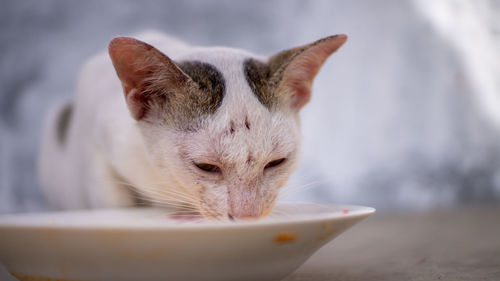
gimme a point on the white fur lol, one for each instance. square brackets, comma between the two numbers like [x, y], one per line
[107, 151]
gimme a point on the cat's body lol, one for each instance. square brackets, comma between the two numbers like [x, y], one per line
[84, 157]
[216, 132]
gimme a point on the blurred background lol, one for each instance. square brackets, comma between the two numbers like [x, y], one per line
[405, 115]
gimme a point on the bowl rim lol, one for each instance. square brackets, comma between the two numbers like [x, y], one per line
[355, 212]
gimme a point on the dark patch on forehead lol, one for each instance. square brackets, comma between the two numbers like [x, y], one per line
[211, 85]
[185, 106]
[210, 82]
[257, 74]
[63, 121]
[264, 77]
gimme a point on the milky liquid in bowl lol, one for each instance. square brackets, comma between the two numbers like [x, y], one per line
[154, 244]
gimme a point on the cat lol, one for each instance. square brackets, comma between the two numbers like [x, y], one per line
[212, 130]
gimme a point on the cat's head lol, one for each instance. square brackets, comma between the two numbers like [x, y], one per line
[220, 125]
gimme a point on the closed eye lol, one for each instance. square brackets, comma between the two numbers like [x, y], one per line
[275, 163]
[209, 168]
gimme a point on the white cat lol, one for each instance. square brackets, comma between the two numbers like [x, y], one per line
[213, 130]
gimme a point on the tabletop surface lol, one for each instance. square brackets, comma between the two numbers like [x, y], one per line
[454, 245]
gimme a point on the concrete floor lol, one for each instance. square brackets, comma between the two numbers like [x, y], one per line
[439, 245]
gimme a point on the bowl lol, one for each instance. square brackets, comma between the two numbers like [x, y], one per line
[156, 244]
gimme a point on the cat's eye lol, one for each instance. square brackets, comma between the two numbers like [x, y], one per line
[275, 163]
[208, 168]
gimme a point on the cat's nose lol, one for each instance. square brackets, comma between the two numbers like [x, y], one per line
[244, 202]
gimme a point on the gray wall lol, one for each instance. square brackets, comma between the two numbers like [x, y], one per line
[405, 114]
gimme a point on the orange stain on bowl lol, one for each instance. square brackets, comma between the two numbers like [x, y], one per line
[285, 237]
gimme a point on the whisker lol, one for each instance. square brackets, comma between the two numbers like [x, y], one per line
[164, 205]
[157, 191]
[171, 203]
[277, 210]
[166, 191]
[178, 201]
[160, 192]
[284, 193]
[292, 188]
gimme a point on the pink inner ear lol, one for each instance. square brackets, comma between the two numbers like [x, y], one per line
[299, 74]
[137, 64]
[130, 59]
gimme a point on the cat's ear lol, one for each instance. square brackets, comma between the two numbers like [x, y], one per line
[294, 70]
[144, 72]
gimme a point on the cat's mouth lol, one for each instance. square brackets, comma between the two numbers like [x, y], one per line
[194, 216]
[215, 216]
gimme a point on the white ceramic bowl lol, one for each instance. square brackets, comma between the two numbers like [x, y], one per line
[148, 244]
